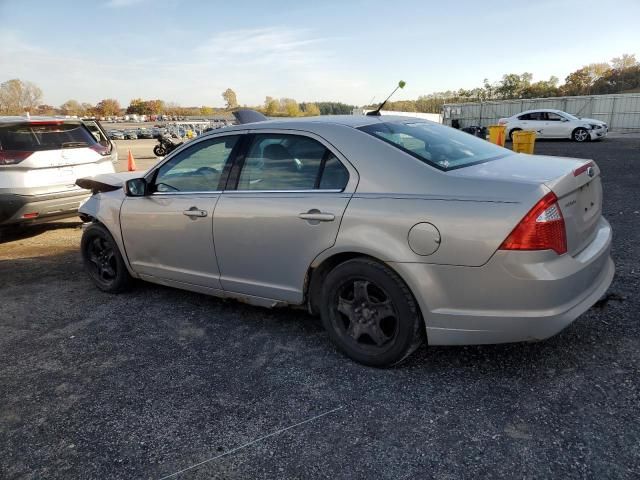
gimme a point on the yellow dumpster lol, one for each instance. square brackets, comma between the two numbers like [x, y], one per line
[497, 134]
[523, 141]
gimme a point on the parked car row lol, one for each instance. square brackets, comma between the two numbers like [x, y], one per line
[134, 134]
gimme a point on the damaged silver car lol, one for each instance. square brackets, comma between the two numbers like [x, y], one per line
[394, 230]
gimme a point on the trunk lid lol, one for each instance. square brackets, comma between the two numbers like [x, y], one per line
[576, 183]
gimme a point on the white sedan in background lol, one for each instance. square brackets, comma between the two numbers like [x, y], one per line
[549, 123]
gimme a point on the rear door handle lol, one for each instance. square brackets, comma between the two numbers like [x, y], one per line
[194, 212]
[317, 216]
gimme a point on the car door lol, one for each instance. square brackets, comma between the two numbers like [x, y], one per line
[557, 126]
[536, 122]
[283, 206]
[168, 234]
[561, 125]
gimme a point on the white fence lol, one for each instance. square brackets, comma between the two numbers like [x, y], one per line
[621, 112]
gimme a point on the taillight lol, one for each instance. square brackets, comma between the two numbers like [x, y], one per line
[541, 229]
[101, 149]
[12, 157]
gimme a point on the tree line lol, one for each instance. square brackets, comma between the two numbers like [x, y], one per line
[621, 74]
[18, 96]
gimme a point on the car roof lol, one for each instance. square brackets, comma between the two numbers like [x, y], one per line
[353, 121]
[36, 118]
[540, 110]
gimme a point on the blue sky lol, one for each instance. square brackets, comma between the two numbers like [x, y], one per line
[350, 51]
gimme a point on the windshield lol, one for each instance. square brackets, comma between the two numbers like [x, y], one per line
[442, 147]
[569, 116]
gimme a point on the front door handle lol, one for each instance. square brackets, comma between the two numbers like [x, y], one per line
[317, 216]
[194, 212]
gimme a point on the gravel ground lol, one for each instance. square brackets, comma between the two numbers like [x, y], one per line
[147, 384]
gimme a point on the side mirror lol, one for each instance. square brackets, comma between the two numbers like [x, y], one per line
[136, 187]
[565, 119]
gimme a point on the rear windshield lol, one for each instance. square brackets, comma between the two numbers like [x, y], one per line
[47, 136]
[442, 147]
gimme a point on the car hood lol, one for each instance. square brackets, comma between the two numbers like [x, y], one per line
[107, 182]
[593, 120]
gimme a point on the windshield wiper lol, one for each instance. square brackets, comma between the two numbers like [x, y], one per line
[74, 144]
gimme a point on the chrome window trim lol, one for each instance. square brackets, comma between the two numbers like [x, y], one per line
[204, 192]
[218, 192]
[310, 190]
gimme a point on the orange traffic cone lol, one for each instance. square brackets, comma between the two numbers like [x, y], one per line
[131, 163]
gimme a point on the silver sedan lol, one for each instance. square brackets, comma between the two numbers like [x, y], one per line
[394, 230]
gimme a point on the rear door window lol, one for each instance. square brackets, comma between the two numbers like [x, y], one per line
[281, 162]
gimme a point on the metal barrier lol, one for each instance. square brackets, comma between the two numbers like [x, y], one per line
[621, 112]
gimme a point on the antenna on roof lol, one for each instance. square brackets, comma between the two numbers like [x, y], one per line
[376, 112]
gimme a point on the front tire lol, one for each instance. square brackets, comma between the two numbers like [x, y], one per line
[581, 135]
[103, 261]
[370, 314]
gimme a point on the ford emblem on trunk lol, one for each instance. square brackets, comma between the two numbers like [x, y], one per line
[591, 172]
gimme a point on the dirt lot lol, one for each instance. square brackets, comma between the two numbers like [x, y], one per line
[147, 384]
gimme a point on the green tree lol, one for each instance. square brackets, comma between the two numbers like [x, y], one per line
[18, 96]
[311, 110]
[581, 81]
[334, 108]
[206, 111]
[45, 110]
[513, 85]
[89, 110]
[136, 107]
[153, 107]
[542, 89]
[290, 106]
[109, 107]
[271, 106]
[624, 61]
[72, 107]
[618, 81]
[230, 98]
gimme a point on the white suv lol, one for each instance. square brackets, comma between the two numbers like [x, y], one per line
[40, 160]
[549, 123]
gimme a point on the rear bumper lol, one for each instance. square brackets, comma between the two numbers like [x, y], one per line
[516, 296]
[13, 207]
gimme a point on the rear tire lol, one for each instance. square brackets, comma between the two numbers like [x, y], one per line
[158, 151]
[370, 314]
[103, 260]
[581, 135]
[511, 133]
